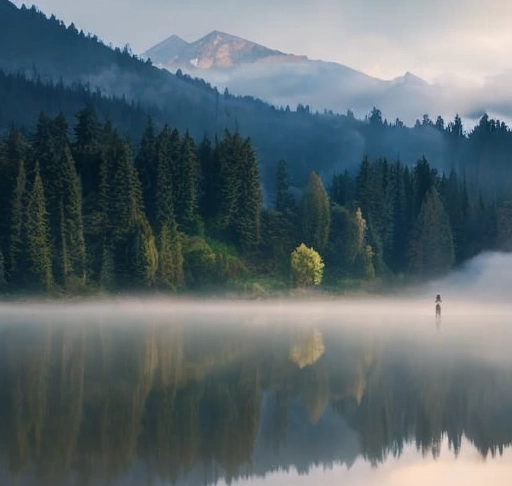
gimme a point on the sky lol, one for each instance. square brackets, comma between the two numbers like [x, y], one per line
[438, 40]
[411, 468]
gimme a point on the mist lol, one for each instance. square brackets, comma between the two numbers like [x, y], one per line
[476, 293]
[326, 353]
[329, 86]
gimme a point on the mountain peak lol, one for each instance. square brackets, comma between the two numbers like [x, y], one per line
[409, 79]
[170, 47]
[216, 50]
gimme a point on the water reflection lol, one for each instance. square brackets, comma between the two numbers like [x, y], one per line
[174, 397]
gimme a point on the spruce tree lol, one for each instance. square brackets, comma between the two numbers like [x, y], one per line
[170, 258]
[124, 197]
[38, 239]
[86, 151]
[229, 152]
[146, 164]
[284, 202]
[315, 214]
[209, 194]
[186, 188]
[247, 217]
[72, 252]
[144, 253]
[164, 211]
[431, 246]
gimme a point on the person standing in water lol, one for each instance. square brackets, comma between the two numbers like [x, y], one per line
[438, 306]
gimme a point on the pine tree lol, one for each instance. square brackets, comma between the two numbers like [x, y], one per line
[247, 218]
[229, 152]
[38, 238]
[146, 164]
[431, 246]
[284, 202]
[124, 199]
[72, 251]
[341, 190]
[164, 197]
[346, 240]
[209, 194]
[86, 151]
[315, 214]
[144, 253]
[170, 258]
[397, 259]
[186, 188]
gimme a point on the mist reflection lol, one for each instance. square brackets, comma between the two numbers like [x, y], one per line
[168, 398]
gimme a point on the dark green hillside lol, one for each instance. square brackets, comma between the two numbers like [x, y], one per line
[44, 50]
[21, 101]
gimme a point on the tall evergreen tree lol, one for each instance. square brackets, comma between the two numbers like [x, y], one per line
[170, 273]
[146, 164]
[38, 238]
[71, 252]
[431, 245]
[86, 151]
[284, 202]
[209, 197]
[144, 256]
[229, 151]
[347, 240]
[341, 190]
[186, 188]
[164, 211]
[247, 218]
[315, 214]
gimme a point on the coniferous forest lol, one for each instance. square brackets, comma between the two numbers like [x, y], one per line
[116, 175]
[85, 208]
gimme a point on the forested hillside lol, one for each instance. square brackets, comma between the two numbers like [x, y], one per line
[85, 211]
[144, 179]
[55, 66]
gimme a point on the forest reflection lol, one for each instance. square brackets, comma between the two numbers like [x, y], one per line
[91, 402]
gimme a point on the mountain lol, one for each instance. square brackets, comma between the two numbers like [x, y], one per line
[217, 50]
[245, 67]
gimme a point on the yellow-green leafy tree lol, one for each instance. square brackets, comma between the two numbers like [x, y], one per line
[307, 266]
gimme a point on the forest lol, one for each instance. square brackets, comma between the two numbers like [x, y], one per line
[118, 176]
[84, 211]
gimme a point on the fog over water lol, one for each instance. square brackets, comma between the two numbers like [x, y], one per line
[305, 391]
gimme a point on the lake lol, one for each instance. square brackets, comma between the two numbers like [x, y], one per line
[339, 391]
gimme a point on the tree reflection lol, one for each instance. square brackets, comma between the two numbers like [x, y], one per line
[92, 400]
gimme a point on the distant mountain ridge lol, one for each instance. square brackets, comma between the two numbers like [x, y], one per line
[245, 67]
[216, 50]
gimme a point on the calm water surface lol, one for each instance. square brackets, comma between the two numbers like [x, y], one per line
[195, 393]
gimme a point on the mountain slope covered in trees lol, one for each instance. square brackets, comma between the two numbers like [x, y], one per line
[88, 211]
[43, 50]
